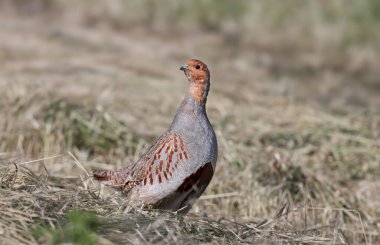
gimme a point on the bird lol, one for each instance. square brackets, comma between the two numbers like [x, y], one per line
[176, 169]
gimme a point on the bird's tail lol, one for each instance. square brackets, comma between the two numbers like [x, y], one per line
[102, 174]
[115, 178]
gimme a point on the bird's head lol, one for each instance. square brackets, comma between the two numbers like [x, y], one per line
[199, 77]
[196, 71]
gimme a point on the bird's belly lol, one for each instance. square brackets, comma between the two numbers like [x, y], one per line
[176, 193]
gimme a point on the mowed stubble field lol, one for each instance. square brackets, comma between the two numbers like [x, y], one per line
[296, 118]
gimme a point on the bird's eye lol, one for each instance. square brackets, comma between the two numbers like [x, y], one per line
[197, 67]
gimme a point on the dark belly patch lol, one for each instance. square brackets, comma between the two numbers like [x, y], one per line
[198, 180]
[192, 187]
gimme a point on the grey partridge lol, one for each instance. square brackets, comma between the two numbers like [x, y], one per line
[174, 172]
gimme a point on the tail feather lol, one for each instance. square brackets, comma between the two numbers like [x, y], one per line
[114, 178]
[103, 175]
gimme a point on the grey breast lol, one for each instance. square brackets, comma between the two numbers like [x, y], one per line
[192, 123]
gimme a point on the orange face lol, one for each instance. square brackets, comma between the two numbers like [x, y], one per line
[196, 71]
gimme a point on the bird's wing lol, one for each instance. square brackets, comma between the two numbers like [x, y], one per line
[156, 165]
[160, 161]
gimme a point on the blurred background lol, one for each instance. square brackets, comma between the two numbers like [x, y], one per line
[317, 51]
[294, 100]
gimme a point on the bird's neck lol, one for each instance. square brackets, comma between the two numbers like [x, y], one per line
[191, 112]
[193, 106]
[198, 90]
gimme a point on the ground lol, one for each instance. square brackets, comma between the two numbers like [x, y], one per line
[293, 101]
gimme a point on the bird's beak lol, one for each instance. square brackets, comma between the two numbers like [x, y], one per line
[184, 67]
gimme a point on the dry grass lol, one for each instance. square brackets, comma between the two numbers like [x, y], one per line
[293, 102]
